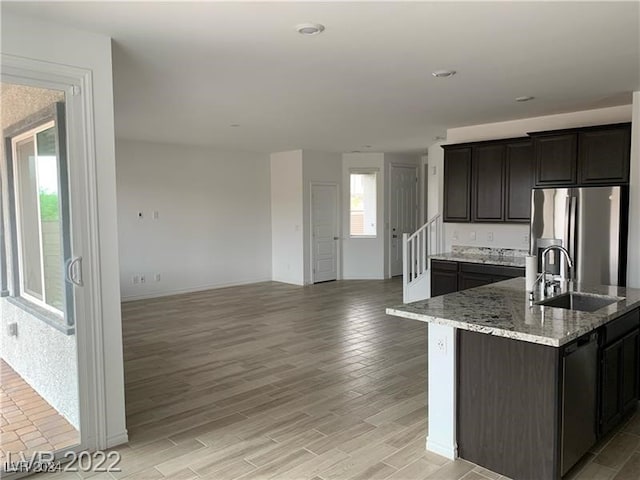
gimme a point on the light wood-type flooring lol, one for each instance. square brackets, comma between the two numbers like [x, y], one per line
[271, 381]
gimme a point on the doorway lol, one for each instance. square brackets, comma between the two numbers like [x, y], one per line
[324, 232]
[403, 211]
[50, 322]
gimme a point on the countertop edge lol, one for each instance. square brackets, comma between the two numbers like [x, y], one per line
[482, 261]
[498, 332]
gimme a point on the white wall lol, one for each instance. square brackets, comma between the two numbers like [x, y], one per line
[435, 175]
[513, 236]
[364, 258]
[287, 223]
[325, 168]
[633, 262]
[57, 44]
[214, 219]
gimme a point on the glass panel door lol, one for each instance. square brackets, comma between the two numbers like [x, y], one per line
[39, 394]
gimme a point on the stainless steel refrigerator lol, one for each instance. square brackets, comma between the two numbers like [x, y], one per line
[591, 223]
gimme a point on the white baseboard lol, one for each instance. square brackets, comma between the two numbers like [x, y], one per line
[118, 439]
[447, 451]
[199, 288]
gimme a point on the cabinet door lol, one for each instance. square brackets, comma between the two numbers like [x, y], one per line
[488, 183]
[519, 180]
[472, 280]
[443, 282]
[457, 184]
[610, 384]
[556, 159]
[603, 156]
[629, 367]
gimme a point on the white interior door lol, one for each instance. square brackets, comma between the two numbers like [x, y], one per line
[324, 228]
[403, 212]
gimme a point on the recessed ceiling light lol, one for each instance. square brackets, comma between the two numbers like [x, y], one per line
[524, 98]
[309, 28]
[443, 73]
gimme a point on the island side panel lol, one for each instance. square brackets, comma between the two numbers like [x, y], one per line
[441, 392]
[508, 405]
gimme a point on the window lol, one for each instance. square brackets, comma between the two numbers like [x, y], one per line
[38, 219]
[363, 201]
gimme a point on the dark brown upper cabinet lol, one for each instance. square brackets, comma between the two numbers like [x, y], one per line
[556, 159]
[583, 156]
[488, 167]
[488, 181]
[603, 155]
[519, 180]
[457, 184]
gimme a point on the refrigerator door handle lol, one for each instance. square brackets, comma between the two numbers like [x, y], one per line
[573, 233]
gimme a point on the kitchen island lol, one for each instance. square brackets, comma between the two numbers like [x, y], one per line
[525, 389]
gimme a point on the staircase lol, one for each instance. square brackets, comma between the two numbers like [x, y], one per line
[416, 249]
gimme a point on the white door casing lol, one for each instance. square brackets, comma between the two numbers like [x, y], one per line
[403, 211]
[324, 232]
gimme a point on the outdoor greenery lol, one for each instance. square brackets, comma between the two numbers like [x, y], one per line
[49, 209]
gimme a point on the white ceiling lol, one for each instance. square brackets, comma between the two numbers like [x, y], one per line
[183, 72]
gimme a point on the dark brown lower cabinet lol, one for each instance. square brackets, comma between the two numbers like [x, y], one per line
[472, 280]
[450, 277]
[508, 405]
[510, 396]
[619, 380]
[444, 277]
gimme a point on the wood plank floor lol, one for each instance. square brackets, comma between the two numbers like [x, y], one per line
[270, 381]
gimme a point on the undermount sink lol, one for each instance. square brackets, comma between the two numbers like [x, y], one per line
[578, 301]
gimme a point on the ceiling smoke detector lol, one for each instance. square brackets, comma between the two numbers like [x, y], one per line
[309, 28]
[524, 98]
[443, 73]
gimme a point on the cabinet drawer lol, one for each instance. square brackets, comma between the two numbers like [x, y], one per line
[619, 327]
[444, 265]
[493, 270]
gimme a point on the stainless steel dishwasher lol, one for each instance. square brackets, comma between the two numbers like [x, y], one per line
[579, 385]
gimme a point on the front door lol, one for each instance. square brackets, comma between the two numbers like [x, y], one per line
[324, 230]
[403, 211]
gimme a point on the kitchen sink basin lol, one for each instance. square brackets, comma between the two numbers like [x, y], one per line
[578, 301]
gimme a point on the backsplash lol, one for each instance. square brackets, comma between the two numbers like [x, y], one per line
[491, 251]
[513, 236]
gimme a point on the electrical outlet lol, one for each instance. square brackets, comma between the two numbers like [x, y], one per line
[472, 236]
[140, 215]
[157, 277]
[156, 215]
[490, 236]
[526, 239]
[135, 279]
[441, 345]
[13, 329]
[143, 279]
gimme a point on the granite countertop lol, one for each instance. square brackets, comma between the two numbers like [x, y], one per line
[503, 309]
[490, 259]
[494, 256]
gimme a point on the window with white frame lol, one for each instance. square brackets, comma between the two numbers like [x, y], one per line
[38, 218]
[363, 204]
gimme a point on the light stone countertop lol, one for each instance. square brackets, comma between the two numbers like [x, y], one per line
[489, 259]
[503, 309]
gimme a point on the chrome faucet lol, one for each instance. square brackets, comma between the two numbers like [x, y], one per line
[553, 284]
